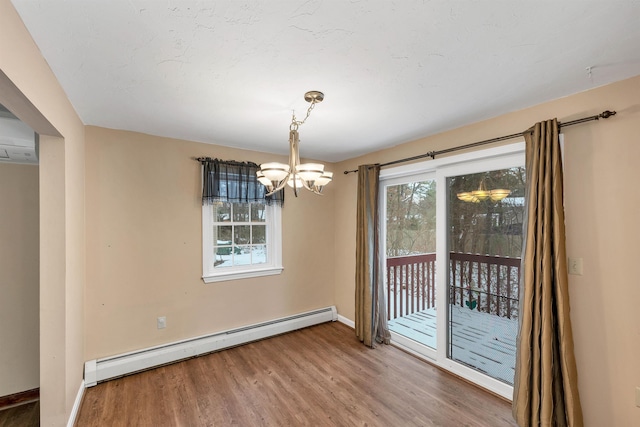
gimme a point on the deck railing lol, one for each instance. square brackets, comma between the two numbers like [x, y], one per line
[488, 284]
[410, 284]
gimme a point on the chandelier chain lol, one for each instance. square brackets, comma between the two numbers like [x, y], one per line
[295, 123]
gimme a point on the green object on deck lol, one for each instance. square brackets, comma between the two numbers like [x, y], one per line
[471, 304]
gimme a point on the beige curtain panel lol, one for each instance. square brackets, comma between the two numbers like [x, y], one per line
[371, 316]
[545, 391]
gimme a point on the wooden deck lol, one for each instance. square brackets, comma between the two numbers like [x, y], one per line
[481, 341]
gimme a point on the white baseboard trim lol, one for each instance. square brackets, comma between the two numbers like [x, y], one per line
[346, 321]
[76, 405]
[128, 363]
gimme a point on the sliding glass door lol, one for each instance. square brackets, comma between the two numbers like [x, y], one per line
[452, 242]
[484, 236]
[410, 246]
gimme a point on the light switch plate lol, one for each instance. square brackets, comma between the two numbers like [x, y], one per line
[638, 397]
[575, 266]
[162, 322]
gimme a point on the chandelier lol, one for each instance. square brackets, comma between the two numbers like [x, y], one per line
[482, 193]
[311, 176]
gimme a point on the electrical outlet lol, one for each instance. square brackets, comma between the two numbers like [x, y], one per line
[162, 322]
[575, 266]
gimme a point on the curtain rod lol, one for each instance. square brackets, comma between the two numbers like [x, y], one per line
[432, 154]
[227, 162]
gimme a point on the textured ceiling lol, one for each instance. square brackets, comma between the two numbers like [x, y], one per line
[230, 72]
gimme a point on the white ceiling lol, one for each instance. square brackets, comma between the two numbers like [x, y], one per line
[230, 72]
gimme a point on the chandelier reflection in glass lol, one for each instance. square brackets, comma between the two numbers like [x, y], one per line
[482, 193]
[311, 176]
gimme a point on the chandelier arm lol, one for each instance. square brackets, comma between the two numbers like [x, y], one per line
[294, 151]
[294, 159]
[306, 185]
[280, 185]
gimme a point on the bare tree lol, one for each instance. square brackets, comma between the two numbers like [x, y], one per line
[411, 218]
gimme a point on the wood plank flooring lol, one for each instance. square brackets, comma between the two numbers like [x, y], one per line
[318, 376]
[19, 398]
[25, 415]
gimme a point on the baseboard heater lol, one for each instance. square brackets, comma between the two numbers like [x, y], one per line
[107, 368]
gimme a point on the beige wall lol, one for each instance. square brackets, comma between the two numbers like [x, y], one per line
[19, 267]
[128, 286]
[602, 211]
[144, 247]
[31, 91]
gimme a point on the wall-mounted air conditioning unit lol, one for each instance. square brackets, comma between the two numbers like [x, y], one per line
[18, 142]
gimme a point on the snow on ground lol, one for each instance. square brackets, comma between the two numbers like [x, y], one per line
[245, 257]
[482, 341]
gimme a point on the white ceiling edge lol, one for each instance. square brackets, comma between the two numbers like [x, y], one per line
[230, 73]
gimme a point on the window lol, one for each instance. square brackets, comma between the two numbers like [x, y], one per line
[240, 240]
[241, 225]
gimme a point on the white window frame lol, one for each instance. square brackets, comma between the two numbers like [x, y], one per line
[274, 249]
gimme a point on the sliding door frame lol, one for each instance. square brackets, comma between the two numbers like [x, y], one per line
[502, 157]
[410, 345]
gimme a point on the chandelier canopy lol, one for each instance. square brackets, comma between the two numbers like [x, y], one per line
[311, 176]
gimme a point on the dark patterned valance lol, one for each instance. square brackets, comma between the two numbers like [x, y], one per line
[231, 181]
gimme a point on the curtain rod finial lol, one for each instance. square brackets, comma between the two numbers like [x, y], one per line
[606, 114]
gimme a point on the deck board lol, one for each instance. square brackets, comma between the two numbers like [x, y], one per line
[482, 341]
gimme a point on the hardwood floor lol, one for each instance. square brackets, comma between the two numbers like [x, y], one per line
[319, 376]
[26, 415]
[19, 398]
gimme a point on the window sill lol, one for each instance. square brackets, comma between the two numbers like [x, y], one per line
[246, 274]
